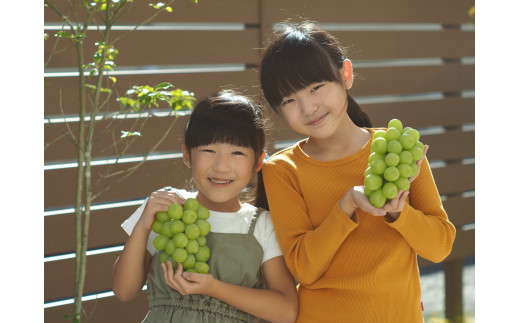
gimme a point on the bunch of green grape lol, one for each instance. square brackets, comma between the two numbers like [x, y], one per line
[182, 236]
[392, 162]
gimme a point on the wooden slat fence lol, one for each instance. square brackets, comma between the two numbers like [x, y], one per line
[413, 60]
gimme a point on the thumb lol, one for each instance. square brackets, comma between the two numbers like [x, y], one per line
[194, 277]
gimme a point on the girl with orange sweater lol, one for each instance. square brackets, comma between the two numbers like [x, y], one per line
[354, 262]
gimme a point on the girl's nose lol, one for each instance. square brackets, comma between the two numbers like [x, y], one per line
[308, 106]
[222, 163]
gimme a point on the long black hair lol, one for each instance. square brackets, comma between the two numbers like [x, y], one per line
[301, 54]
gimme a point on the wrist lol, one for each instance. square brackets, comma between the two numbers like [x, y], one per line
[347, 204]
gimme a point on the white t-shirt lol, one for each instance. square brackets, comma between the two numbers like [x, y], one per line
[223, 222]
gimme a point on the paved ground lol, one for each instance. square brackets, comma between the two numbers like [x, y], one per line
[432, 285]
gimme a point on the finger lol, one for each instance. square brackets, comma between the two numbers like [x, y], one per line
[392, 205]
[168, 276]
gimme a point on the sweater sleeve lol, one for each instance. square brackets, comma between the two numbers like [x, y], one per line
[307, 250]
[423, 222]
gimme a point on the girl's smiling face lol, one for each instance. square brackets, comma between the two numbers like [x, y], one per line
[316, 110]
[221, 171]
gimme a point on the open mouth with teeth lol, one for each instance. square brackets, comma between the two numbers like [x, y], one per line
[220, 181]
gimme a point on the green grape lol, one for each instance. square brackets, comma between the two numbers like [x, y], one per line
[391, 159]
[367, 191]
[373, 181]
[368, 171]
[202, 213]
[379, 134]
[402, 183]
[162, 216]
[396, 123]
[157, 226]
[163, 256]
[192, 246]
[373, 156]
[169, 247]
[419, 144]
[201, 267]
[177, 226]
[189, 262]
[191, 204]
[192, 231]
[201, 241]
[378, 166]
[390, 190]
[175, 211]
[377, 198]
[415, 169]
[417, 153]
[204, 227]
[391, 174]
[405, 157]
[165, 229]
[159, 242]
[203, 254]
[392, 134]
[405, 170]
[180, 240]
[379, 145]
[189, 217]
[415, 134]
[180, 255]
[395, 147]
[407, 140]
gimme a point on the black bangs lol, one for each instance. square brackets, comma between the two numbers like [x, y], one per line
[225, 119]
[293, 62]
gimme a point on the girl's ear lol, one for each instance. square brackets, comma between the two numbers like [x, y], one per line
[348, 75]
[260, 162]
[186, 156]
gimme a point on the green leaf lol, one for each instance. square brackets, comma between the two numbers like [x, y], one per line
[169, 9]
[163, 86]
[45, 36]
[63, 34]
[113, 79]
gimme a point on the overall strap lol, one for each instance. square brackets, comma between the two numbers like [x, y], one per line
[252, 224]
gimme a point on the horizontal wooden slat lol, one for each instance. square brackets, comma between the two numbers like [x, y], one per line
[59, 185]
[414, 79]
[376, 11]
[423, 114]
[202, 84]
[450, 145]
[165, 48]
[183, 11]
[463, 246]
[454, 178]
[460, 210]
[106, 133]
[104, 310]
[105, 230]
[59, 276]
[406, 44]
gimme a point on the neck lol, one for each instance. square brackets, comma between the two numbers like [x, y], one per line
[232, 205]
[346, 141]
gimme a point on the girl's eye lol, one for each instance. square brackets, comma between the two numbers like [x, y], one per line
[239, 153]
[316, 88]
[287, 101]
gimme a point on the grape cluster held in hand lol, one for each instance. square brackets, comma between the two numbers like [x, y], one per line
[182, 235]
[392, 162]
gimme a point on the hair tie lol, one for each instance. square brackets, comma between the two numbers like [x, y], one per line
[266, 157]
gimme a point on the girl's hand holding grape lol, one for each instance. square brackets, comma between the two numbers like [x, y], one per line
[158, 201]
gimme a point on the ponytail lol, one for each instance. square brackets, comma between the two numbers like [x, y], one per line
[357, 115]
[261, 196]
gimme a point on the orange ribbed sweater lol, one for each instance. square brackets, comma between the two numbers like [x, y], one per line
[362, 269]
